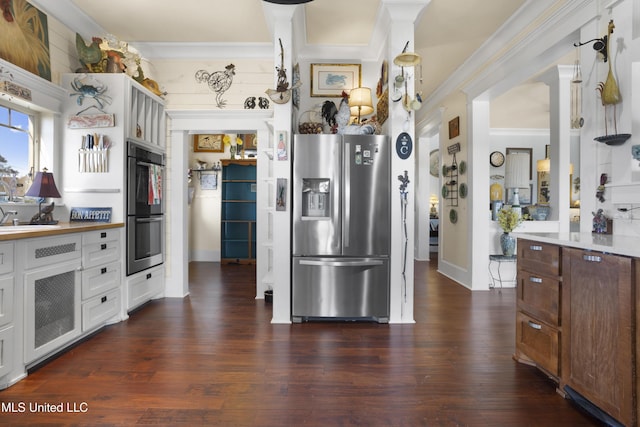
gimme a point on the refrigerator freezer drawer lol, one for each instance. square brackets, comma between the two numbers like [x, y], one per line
[340, 288]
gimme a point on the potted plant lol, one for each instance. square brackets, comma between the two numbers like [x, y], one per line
[509, 220]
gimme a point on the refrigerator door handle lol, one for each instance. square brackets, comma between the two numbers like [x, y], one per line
[342, 263]
[346, 201]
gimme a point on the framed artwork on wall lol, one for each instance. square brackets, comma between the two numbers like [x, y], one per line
[208, 143]
[329, 80]
[454, 127]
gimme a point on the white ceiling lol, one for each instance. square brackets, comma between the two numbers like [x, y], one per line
[448, 32]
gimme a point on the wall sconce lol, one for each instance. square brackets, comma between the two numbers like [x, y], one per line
[43, 186]
[599, 45]
[516, 176]
[360, 103]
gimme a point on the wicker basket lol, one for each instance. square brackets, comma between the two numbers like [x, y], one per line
[308, 123]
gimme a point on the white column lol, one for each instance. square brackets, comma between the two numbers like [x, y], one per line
[403, 15]
[559, 81]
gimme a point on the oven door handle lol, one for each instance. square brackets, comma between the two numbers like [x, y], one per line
[139, 163]
[148, 219]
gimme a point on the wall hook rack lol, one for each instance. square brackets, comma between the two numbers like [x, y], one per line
[599, 45]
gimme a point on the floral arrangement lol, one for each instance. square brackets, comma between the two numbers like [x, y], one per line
[510, 219]
[233, 144]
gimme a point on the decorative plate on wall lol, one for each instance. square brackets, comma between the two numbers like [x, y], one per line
[462, 190]
[462, 167]
[445, 191]
[434, 163]
[453, 216]
[445, 170]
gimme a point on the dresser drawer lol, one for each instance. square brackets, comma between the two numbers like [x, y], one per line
[6, 301]
[538, 341]
[91, 237]
[539, 296]
[98, 310]
[94, 254]
[543, 258]
[96, 280]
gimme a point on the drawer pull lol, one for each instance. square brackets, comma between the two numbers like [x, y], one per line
[103, 299]
[103, 246]
[534, 325]
[535, 279]
[103, 270]
[592, 258]
[103, 235]
[148, 276]
[535, 247]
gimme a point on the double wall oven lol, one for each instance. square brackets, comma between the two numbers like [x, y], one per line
[145, 207]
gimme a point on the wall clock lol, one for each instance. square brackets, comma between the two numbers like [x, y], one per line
[496, 159]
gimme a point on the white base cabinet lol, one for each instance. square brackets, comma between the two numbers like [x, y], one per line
[145, 286]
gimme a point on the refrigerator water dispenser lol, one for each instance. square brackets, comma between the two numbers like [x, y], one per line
[316, 198]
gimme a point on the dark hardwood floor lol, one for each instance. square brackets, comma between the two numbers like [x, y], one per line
[215, 359]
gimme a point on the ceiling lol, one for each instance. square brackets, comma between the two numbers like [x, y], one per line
[447, 33]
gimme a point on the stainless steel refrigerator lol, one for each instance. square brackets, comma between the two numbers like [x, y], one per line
[341, 227]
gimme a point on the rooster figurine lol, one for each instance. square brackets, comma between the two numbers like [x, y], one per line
[218, 81]
[90, 56]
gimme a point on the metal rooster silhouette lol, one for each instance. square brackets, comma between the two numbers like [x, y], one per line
[609, 91]
[218, 82]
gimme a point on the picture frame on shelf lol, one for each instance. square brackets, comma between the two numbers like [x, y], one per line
[208, 143]
[330, 80]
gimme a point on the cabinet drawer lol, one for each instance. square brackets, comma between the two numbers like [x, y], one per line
[99, 236]
[95, 254]
[53, 250]
[145, 286]
[543, 258]
[98, 310]
[6, 356]
[6, 301]
[538, 341]
[6, 257]
[539, 296]
[99, 279]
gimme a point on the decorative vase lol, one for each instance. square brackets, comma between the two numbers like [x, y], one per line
[232, 152]
[508, 244]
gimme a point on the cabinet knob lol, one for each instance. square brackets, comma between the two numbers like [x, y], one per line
[535, 279]
[103, 235]
[592, 258]
[103, 246]
[535, 247]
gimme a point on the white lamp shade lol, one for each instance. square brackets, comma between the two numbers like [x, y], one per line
[517, 171]
[360, 101]
[544, 165]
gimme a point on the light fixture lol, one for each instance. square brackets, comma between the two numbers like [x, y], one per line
[360, 103]
[516, 176]
[43, 186]
[288, 1]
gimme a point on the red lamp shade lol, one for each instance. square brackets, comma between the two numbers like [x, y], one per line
[43, 186]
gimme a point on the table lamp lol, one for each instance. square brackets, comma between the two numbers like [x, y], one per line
[360, 103]
[516, 176]
[43, 186]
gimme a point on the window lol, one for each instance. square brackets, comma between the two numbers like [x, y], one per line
[17, 158]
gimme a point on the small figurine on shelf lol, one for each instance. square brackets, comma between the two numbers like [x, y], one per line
[601, 223]
[600, 189]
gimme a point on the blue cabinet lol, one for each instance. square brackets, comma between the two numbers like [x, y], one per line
[238, 227]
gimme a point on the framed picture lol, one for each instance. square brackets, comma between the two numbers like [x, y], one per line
[454, 127]
[208, 143]
[329, 80]
[528, 151]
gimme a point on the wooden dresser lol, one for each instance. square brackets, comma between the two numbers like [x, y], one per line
[576, 320]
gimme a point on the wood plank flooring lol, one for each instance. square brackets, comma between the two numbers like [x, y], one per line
[215, 359]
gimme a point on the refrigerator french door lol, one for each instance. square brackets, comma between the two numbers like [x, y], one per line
[341, 227]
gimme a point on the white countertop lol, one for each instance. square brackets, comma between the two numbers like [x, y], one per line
[608, 243]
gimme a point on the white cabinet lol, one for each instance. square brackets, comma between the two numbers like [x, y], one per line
[138, 115]
[101, 277]
[7, 283]
[144, 286]
[52, 294]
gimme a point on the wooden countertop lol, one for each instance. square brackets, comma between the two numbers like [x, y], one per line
[608, 243]
[62, 228]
